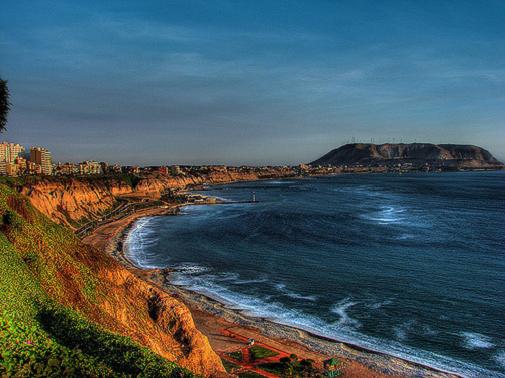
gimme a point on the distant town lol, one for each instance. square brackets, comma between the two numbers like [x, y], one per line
[16, 161]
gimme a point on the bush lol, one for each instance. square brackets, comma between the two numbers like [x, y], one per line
[258, 352]
[30, 257]
[10, 218]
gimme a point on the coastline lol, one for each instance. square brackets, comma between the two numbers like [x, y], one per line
[219, 322]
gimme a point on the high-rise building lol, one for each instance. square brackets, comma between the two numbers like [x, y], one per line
[41, 156]
[9, 152]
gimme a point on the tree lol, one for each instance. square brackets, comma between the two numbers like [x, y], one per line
[5, 105]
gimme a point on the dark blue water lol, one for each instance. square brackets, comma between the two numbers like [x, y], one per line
[413, 265]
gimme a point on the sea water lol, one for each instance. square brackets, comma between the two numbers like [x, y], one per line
[412, 265]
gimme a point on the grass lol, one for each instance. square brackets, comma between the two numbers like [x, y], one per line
[40, 333]
[273, 367]
[259, 352]
[63, 343]
[229, 366]
[236, 355]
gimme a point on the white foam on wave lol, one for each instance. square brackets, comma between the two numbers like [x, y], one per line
[291, 294]
[138, 238]
[265, 307]
[500, 357]
[190, 268]
[474, 340]
[279, 182]
[402, 330]
[362, 190]
[340, 309]
[379, 304]
[405, 237]
[251, 281]
[428, 331]
[386, 215]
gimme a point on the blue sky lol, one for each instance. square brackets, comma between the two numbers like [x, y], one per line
[254, 82]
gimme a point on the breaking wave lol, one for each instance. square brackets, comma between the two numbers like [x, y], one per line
[474, 340]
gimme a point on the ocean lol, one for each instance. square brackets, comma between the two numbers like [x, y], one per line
[412, 265]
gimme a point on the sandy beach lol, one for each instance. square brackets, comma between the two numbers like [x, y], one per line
[228, 329]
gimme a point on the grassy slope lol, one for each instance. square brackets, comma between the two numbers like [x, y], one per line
[40, 332]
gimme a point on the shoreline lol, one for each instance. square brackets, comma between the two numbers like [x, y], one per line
[212, 316]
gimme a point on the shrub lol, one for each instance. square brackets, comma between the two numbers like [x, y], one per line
[10, 218]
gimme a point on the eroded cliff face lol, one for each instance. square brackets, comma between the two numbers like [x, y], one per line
[67, 201]
[91, 282]
[141, 311]
[73, 201]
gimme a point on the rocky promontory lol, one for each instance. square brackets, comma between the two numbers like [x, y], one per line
[448, 156]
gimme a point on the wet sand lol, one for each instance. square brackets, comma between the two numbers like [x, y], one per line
[227, 328]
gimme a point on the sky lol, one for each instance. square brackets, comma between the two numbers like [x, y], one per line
[250, 82]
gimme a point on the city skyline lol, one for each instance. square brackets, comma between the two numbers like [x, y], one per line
[250, 83]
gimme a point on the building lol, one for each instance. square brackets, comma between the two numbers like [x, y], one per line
[21, 162]
[175, 170]
[116, 168]
[133, 170]
[67, 169]
[33, 168]
[11, 169]
[9, 152]
[164, 170]
[90, 167]
[104, 166]
[42, 157]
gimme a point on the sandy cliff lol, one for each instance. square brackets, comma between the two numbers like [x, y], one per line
[146, 314]
[71, 201]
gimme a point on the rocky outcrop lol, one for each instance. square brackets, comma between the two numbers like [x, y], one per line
[418, 154]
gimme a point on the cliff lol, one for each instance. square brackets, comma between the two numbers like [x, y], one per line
[418, 154]
[69, 309]
[73, 201]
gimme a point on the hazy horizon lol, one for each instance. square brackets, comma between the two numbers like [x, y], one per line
[236, 82]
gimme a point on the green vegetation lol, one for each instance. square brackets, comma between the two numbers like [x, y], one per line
[229, 366]
[292, 367]
[236, 355]
[332, 367]
[250, 374]
[60, 342]
[12, 181]
[258, 352]
[272, 367]
[41, 335]
[5, 104]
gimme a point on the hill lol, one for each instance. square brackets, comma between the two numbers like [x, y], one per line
[418, 154]
[67, 309]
